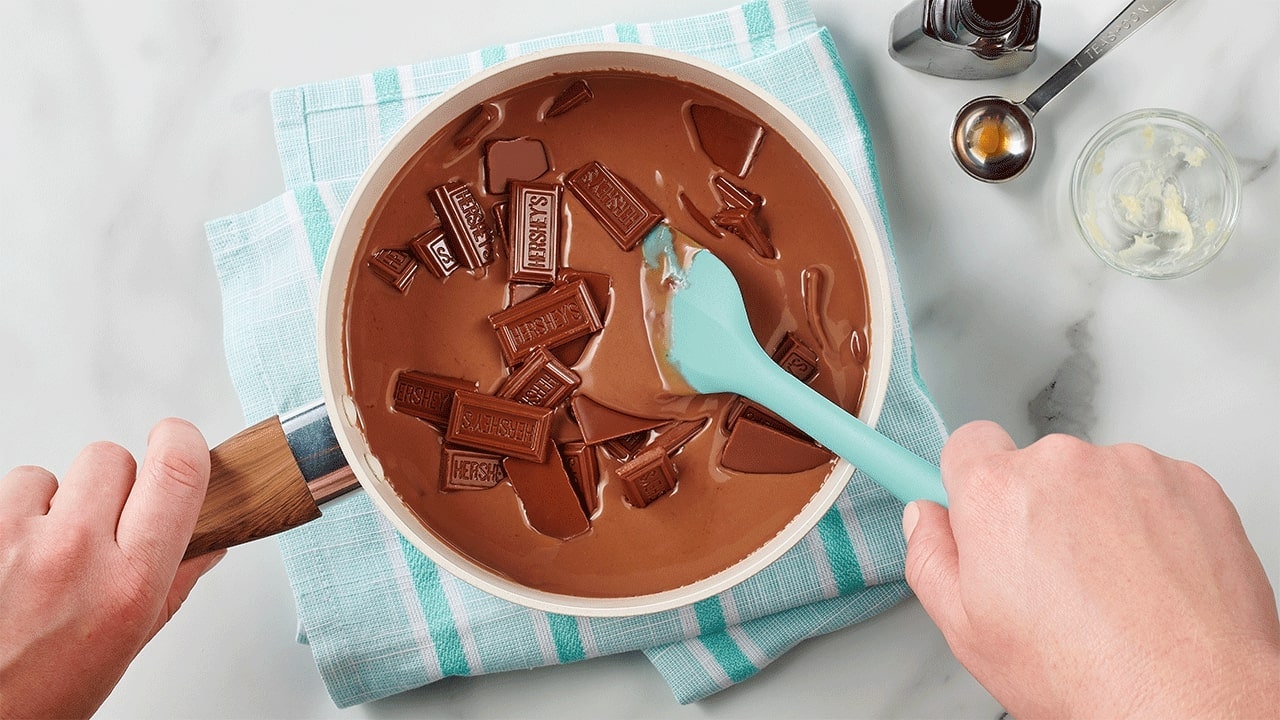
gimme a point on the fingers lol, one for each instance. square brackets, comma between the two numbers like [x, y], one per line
[189, 571]
[95, 486]
[161, 510]
[932, 565]
[26, 491]
[969, 448]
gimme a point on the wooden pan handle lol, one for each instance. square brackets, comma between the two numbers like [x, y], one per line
[255, 490]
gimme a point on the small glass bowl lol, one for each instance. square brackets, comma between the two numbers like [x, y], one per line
[1155, 194]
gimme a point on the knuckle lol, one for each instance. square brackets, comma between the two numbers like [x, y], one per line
[1136, 456]
[978, 427]
[991, 477]
[31, 479]
[1061, 445]
[1059, 452]
[1199, 482]
[1139, 462]
[109, 454]
[30, 471]
[64, 561]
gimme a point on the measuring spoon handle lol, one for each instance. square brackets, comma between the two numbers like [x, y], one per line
[1137, 14]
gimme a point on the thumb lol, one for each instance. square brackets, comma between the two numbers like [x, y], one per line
[160, 513]
[932, 566]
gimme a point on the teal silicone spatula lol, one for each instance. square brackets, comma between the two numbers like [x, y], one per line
[699, 330]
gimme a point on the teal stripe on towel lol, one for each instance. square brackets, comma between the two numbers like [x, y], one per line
[387, 92]
[844, 561]
[711, 626]
[627, 32]
[869, 151]
[710, 615]
[316, 222]
[564, 631]
[435, 608]
[491, 56]
[759, 27]
[729, 656]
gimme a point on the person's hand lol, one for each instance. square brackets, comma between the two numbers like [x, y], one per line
[1094, 581]
[90, 567]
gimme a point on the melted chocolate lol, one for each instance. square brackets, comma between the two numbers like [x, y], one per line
[640, 128]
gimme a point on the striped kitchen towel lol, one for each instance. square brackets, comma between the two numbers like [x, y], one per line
[379, 616]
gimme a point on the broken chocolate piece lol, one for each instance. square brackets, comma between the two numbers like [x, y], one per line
[736, 197]
[467, 470]
[465, 223]
[395, 266]
[600, 422]
[549, 498]
[647, 477]
[506, 160]
[756, 448]
[500, 426]
[731, 141]
[674, 436]
[555, 317]
[741, 216]
[580, 461]
[623, 211]
[542, 381]
[743, 223]
[624, 448]
[796, 358]
[599, 286]
[535, 232]
[475, 125]
[571, 97]
[571, 352]
[699, 216]
[519, 292]
[500, 224]
[748, 410]
[432, 249]
[426, 396]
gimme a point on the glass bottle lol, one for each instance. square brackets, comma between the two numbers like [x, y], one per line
[966, 39]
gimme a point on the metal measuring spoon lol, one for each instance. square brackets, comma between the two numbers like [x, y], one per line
[992, 137]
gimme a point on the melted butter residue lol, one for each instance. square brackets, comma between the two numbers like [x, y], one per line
[1149, 136]
[1193, 155]
[1165, 232]
[1141, 214]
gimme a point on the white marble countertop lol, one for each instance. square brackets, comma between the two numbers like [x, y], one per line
[124, 127]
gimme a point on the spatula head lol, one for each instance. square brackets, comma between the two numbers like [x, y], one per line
[699, 320]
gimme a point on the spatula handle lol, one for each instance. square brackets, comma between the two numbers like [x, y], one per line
[900, 471]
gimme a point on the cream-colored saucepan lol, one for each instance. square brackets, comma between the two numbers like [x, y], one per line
[274, 476]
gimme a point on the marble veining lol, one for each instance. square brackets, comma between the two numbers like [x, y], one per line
[1066, 404]
[1253, 168]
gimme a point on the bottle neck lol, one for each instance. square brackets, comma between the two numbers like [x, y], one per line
[991, 18]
